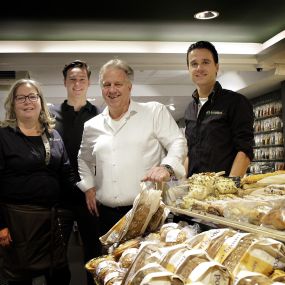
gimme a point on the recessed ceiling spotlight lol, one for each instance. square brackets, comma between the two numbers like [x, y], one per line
[206, 15]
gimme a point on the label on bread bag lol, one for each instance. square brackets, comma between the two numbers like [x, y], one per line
[263, 256]
[228, 246]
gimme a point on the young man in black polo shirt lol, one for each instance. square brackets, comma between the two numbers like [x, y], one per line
[70, 118]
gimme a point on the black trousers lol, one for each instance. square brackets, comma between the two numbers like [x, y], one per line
[88, 227]
[38, 246]
[110, 216]
[58, 277]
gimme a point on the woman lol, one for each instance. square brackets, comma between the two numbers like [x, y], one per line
[33, 169]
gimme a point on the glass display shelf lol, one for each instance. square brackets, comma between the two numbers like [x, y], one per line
[264, 231]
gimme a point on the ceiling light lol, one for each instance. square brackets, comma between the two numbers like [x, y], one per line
[206, 15]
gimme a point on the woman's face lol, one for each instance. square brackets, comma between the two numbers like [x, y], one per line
[27, 103]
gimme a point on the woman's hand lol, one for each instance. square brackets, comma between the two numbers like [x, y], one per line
[90, 197]
[5, 237]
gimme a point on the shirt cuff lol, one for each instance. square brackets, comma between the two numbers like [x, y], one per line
[85, 185]
[177, 167]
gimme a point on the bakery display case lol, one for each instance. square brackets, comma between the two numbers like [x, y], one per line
[257, 206]
[243, 244]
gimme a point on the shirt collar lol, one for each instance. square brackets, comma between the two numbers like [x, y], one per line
[211, 97]
[87, 106]
[133, 108]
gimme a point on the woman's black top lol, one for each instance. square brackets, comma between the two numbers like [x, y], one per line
[24, 176]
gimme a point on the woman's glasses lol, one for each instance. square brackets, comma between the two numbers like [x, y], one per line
[22, 98]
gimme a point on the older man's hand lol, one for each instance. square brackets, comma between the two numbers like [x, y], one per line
[5, 238]
[157, 174]
[90, 197]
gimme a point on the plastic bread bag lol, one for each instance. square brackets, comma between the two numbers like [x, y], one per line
[251, 278]
[135, 222]
[114, 235]
[184, 261]
[145, 206]
[154, 274]
[210, 240]
[128, 256]
[251, 253]
[132, 243]
[278, 275]
[145, 251]
[251, 210]
[158, 218]
[93, 263]
[174, 191]
[210, 272]
[106, 270]
[162, 255]
[172, 233]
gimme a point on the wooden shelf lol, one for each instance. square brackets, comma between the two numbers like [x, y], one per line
[268, 145]
[269, 131]
[268, 160]
[268, 117]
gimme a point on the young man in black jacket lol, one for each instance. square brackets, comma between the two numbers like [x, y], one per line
[219, 122]
[70, 118]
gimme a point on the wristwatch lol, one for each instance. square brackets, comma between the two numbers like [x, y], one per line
[236, 179]
[169, 169]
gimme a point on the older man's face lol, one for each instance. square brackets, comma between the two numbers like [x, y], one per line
[116, 89]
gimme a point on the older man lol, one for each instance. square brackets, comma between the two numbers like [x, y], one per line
[127, 143]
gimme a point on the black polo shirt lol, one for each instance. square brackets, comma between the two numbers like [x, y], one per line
[70, 125]
[223, 127]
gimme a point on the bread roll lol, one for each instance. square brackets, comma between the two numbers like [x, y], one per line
[275, 218]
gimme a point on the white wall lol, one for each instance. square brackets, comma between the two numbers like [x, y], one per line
[166, 94]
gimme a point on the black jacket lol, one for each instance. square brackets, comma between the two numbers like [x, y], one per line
[223, 127]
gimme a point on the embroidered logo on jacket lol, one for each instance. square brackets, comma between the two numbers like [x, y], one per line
[209, 113]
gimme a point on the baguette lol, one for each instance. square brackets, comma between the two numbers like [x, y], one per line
[256, 177]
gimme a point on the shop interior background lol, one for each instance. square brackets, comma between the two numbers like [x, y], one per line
[152, 37]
